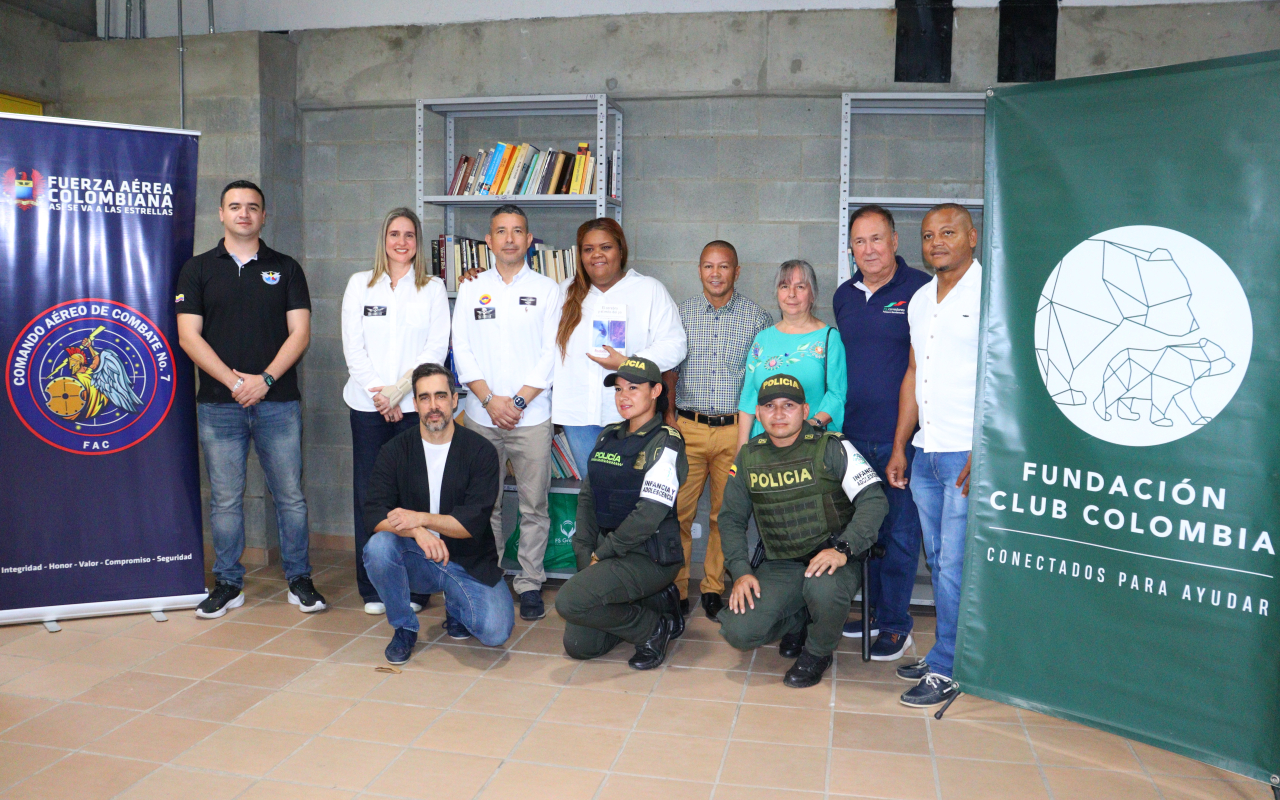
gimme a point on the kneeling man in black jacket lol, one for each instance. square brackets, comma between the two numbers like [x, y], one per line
[429, 502]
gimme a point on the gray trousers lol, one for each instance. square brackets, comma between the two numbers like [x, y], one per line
[529, 449]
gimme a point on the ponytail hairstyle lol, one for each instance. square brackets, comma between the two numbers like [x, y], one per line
[663, 401]
[381, 263]
[572, 313]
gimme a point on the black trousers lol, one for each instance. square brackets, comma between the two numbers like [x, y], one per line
[369, 432]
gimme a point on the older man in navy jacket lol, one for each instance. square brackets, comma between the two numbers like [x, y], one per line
[429, 502]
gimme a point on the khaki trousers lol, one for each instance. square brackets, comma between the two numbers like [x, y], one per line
[711, 452]
[529, 449]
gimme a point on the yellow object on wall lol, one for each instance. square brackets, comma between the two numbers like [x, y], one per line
[19, 105]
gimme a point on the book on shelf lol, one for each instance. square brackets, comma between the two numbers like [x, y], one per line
[523, 169]
[453, 255]
[560, 449]
[558, 265]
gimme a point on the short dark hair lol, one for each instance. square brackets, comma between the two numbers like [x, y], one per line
[510, 208]
[951, 207]
[242, 185]
[872, 209]
[426, 371]
[721, 243]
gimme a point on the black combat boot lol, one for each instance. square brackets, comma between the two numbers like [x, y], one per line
[673, 610]
[807, 671]
[793, 643]
[653, 651]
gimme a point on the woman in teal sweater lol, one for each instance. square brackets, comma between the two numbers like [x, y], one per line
[800, 345]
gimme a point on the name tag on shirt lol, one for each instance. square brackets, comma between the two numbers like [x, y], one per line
[375, 311]
[528, 301]
[486, 313]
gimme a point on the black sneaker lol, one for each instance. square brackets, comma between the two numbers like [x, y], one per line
[653, 651]
[303, 594]
[531, 606]
[401, 646]
[224, 597]
[912, 673]
[890, 646]
[853, 629]
[932, 690]
[455, 629]
[792, 645]
[807, 671]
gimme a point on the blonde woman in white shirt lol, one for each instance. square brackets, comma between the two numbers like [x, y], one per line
[605, 295]
[394, 317]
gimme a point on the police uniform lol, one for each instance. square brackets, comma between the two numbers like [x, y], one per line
[816, 493]
[627, 521]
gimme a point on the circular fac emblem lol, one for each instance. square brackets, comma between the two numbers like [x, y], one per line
[485, 299]
[90, 376]
[1143, 335]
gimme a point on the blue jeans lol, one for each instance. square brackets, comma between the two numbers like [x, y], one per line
[275, 429]
[944, 514]
[369, 432]
[397, 566]
[582, 440]
[893, 576]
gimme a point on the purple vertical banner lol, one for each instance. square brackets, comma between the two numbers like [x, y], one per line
[101, 508]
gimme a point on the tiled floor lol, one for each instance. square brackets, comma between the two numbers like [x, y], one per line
[269, 703]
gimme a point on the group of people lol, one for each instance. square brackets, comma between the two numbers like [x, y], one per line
[833, 439]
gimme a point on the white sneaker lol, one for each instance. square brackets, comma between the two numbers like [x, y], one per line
[375, 609]
[415, 606]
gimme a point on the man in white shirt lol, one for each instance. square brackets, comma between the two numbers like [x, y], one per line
[499, 339]
[938, 395]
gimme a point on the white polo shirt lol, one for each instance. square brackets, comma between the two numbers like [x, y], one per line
[654, 331]
[387, 332]
[499, 334]
[944, 337]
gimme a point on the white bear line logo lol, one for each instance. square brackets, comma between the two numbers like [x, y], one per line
[1110, 335]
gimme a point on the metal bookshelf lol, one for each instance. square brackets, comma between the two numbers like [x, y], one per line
[940, 103]
[590, 105]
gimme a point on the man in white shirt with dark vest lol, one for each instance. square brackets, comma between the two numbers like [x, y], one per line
[938, 394]
[498, 344]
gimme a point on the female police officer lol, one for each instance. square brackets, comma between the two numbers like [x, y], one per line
[628, 537]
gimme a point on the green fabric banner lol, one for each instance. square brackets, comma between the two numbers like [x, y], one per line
[563, 509]
[1121, 564]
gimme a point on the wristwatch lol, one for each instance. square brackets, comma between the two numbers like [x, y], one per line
[485, 402]
[841, 546]
[519, 402]
[270, 381]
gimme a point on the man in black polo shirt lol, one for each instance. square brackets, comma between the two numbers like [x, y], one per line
[871, 313]
[244, 318]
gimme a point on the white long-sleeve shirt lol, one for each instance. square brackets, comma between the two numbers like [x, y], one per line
[499, 334]
[654, 331]
[387, 332]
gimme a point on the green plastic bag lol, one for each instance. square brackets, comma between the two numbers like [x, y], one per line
[563, 510]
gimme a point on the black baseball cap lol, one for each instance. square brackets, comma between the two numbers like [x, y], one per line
[780, 386]
[636, 370]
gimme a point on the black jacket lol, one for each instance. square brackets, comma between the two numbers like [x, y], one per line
[468, 491]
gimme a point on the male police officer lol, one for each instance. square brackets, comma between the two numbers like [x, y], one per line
[817, 504]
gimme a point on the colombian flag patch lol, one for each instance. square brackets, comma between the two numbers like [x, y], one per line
[733, 470]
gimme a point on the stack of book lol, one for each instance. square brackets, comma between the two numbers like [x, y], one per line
[453, 255]
[558, 265]
[525, 170]
[562, 465]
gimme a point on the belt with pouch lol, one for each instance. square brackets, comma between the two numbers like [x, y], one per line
[718, 421]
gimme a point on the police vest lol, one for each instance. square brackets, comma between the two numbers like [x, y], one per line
[798, 503]
[617, 476]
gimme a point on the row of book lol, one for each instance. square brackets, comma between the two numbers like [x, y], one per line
[562, 465]
[525, 170]
[453, 255]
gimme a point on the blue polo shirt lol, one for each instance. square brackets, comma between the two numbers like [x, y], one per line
[877, 341]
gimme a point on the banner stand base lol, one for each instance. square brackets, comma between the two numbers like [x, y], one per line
[947, 705]
[49, 615]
